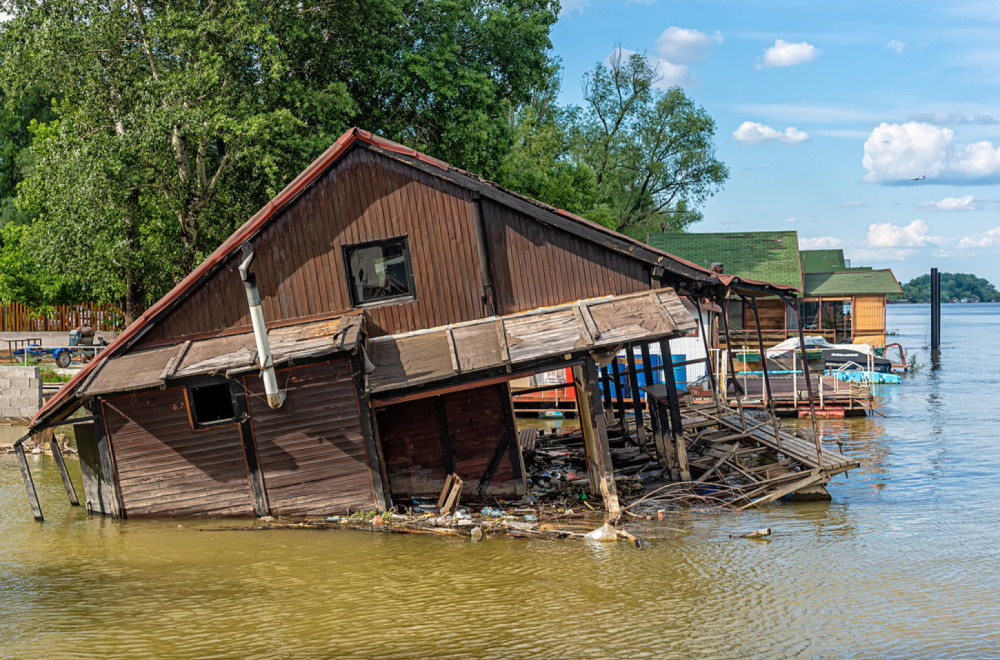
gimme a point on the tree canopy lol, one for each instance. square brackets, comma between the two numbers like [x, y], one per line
[634, 158]
[954, 287]
[136, 135]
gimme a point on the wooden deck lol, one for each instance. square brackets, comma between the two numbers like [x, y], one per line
[802, 451]
[792, 395]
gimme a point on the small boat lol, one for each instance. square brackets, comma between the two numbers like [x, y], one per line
[835, 356]
[551, 414]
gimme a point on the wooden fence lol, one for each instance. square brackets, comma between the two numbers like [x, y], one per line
[16, 317]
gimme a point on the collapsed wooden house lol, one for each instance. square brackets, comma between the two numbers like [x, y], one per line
[401, 295]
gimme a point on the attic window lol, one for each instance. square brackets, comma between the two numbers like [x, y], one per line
[211, 405]
[379, 270]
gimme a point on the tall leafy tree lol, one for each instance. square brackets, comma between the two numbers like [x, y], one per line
[652, 151]
[178, 118]
[633, 157]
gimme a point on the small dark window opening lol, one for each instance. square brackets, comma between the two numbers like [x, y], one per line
[379, 270]
[211, 404]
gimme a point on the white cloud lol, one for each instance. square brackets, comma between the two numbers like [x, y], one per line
[896, 45]
[896, 152]
[942, 118]
[751, 132]
[783, 53]
[852, 205]
[989, 238]
[669, 74]
[570, 6]
[678, 44]
[791, 221]
[887, 235]
[966, 203]
[820, 243]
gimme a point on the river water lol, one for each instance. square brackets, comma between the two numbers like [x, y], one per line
[904, 562]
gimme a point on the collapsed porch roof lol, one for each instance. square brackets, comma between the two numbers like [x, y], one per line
[225, 355]
[518, 341]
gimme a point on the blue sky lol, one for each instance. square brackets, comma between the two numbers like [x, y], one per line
[825, 110]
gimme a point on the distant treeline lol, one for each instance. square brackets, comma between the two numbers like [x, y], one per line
[954, 286]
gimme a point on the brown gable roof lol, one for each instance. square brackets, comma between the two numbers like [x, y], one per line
[357, 137]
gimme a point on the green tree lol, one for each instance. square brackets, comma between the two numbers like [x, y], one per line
[538, 164]
[178, 119]
[954, 286]
[652, 151]
[633, 157]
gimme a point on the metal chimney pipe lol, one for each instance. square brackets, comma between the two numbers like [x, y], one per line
[275, 397]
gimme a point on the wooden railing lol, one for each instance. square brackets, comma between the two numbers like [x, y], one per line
[17, 317]
[771, 337]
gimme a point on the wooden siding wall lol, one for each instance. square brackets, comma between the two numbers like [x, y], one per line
[312, 450]
[772, 314]
[300, 267]
[167, 468]
[868, 321]
[411, 442]
[534, 265]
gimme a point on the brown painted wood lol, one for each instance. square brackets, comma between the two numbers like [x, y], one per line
[313, 455]
[166, 467]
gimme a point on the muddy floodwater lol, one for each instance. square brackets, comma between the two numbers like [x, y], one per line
[904, 562]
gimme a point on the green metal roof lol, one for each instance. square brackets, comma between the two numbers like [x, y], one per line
[769, 256]
[822, 261]
[851, 283]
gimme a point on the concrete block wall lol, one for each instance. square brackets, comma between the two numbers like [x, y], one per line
[20, 391]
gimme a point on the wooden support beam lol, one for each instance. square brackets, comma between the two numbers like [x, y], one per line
[619, 396]
[376, 461]
[514, 448]
[63, 472]
[29, 484]
[97, 491]
[595, 435]
[491, 469]
[606, 391]
[633, 386]
[666, 453]
[255, 478]
[676, 424]
[647, 377]
[113, 504]
[444, 435]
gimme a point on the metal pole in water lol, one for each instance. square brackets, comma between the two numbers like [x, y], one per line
[935, 309]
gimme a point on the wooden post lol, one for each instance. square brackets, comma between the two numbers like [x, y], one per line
[662, 437]
[935, 309]
[595, 435]
[732, 368]
[809, 388]
[98, 490]
[516, 459]
[255, 478]
[647, 376]
[376, 462]
[112, 505]
[767, 378]
[709, 367]
[606, 391]
[619, 396]
[676, 423]
[444, 435]
[63, 472]
[633, 386]
[29, 484]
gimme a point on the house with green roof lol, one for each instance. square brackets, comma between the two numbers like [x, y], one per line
[842, 302]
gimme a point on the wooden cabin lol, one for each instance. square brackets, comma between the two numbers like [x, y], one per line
[841, 303]
[401, 296]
